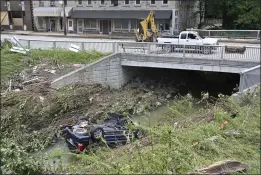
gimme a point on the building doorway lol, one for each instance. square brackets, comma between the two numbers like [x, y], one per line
[52, 25]
[70, 25]
[105, 26]
[80, 25]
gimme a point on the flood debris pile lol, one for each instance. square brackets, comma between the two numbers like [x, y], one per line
[33, 114]
[187, 139]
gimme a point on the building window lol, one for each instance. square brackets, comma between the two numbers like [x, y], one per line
[134, 24]
[127, 1]
[61, 24]
[89, 2]
[152, 1]
[52, 3]
[176, 26]
[102, 1]
[90, 24]
[121, 24]
[165, 1]
[137, 1]
[117, 24]
[176, 13]
[165, 24]
[70, 23]
[125, 24]
[41, 3]
[40, 22]
[79, 2]
[114, 2]
[65, 2]
[17, 14]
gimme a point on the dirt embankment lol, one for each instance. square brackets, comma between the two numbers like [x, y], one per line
[31, 110]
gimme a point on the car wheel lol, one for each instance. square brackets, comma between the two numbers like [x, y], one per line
[137, 134]
[80, 131]
[97, 134]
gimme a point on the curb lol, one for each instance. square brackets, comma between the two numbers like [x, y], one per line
[71, 36]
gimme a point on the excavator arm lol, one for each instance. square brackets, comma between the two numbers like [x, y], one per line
[145, 23]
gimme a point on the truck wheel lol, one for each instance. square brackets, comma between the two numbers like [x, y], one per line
[97, 134]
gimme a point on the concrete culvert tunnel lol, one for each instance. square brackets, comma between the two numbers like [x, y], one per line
[187, 81]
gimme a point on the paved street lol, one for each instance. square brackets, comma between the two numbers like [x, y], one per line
[44, 38]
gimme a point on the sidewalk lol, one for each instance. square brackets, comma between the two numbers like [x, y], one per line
[61, 34]
[100, 36]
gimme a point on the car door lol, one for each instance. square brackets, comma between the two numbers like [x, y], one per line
[183, 39]
[193, 39]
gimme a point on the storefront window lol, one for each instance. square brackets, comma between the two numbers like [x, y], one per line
[134, 24]
[125, 24]
[117, 24]
[165, 23]
[40, 22]
[90, 24]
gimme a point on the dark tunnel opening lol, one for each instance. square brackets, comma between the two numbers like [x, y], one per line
[188, 81]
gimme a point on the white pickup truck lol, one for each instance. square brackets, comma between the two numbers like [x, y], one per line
[189, 38]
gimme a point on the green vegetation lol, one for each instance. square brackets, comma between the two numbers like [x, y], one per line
[12, 63]
[181, 142]
[236, 14]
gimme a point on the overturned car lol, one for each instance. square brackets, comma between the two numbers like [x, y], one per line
[113, 130]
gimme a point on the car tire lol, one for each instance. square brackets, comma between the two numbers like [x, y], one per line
[137, 134]
[97, 134]
[80, 131]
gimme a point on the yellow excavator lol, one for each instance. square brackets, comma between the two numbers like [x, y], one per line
[147, 31]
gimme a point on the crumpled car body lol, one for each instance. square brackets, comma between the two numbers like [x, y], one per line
[113, 130]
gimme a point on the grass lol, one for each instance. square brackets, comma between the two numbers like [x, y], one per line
[187, 147]
[12, 63]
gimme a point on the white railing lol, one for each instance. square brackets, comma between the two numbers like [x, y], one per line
[249, 78]
[106, 47]
[242, 34]
[187, 51]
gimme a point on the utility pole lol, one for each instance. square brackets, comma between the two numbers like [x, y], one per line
[64, 19]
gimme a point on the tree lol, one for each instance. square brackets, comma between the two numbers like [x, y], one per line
[236, 14]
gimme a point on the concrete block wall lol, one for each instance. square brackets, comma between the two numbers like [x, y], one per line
[107, 71]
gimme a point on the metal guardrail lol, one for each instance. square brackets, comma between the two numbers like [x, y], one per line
[240, 34]
[249, 78]
[193, 51]
[186, 51]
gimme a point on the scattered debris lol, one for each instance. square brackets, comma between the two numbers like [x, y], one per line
[214, 139]
[41, 98]
[78, 65]
[232, 132]
[168, 96]
[158, 103]
[50, 71]
[34, 80]
[224, 167]
[234, 114]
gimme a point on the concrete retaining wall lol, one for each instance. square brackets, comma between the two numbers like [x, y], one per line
[252, 90]
[107, 71]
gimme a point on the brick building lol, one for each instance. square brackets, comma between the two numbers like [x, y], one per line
[104, 16]
[17, 15]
